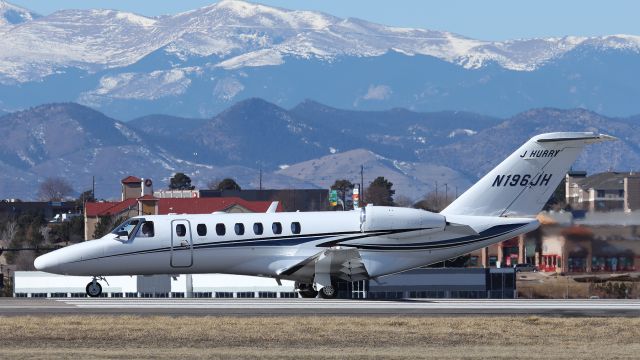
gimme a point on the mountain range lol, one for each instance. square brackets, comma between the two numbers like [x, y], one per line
[197, 63]
[308, 145]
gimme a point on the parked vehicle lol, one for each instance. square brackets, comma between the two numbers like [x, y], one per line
[525, 267]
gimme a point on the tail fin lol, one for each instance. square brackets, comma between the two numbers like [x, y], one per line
[525, 181]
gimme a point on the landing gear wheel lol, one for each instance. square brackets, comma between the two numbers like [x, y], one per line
[94, 289]
[328, 292]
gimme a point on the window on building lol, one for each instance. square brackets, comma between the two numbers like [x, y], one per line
[600, 193]
[181, 230]
[621, 193]
[201, 229]
[258, 229]
[493, 260]
[295, 227]
[221, 229]
[276, 227]
[473, 261]
[239, 228]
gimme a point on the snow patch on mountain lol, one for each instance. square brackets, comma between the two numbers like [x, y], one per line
[227, 88]
[154, 85]
[457, 132]
[11, 15]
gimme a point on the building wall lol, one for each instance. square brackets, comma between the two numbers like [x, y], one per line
[632, 193]
[131, 191]
[36, 283]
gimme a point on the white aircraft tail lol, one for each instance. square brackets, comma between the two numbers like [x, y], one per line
[525, 181]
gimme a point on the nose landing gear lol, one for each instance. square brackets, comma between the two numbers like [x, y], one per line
[94, 289]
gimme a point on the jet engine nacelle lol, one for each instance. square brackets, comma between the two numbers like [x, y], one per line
[381, 218]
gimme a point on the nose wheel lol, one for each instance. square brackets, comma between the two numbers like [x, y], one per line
[94, 289]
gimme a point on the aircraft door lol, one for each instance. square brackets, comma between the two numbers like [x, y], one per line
[181, 244]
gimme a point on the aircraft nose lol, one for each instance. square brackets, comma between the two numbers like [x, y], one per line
[47, 262]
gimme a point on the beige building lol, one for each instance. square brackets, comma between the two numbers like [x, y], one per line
[608, 191]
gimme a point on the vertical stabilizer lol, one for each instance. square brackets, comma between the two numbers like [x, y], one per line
[525, 181]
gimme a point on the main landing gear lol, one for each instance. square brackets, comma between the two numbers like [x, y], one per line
[94, 289]
[329, 292]
[306, 290]
[309, 291]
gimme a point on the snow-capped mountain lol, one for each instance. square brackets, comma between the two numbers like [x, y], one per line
[205, 59]
[309, 145]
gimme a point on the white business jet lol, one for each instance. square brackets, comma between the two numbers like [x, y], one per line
[317, 248]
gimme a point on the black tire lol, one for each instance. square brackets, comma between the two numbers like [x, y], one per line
[306, 290]
[308, 294]
[94, 291]
[329, 292]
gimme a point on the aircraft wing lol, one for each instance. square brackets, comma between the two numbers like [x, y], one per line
[342, 263]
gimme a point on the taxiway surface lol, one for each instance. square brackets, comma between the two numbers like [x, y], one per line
[269, 307]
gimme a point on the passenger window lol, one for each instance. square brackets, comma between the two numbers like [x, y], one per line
[146, 230]
[220, 229]
[201, 229]
[239, 229]
[277, 228]
[295, 227]
[258, 229]
[181, 230]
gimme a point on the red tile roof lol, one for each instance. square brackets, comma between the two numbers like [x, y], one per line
[209, 205]
[148, 197]
[107, 207]
[131, 180]
[179, 206]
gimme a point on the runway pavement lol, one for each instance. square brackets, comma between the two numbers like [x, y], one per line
[267, 307]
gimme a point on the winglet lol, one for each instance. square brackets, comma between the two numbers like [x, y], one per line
[273, 207]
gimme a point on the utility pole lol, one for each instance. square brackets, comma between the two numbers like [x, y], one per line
[260, 180]
[446, 193]
[437, 201]
[361, 183]
[93, 187]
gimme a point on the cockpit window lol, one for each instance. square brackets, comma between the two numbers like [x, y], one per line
[146, 230]
[127, 226]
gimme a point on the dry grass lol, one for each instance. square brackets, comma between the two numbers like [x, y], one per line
[318, 337]
[538, 285]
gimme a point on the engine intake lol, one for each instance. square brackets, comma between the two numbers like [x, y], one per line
[381, 218]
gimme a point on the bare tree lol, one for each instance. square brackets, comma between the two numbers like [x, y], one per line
[403, 201]
[54, 189]
[213, 184]
[434, 202]
[9, 232]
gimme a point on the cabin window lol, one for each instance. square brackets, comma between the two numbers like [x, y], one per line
[201, 229]
[146, 230]
[220, 229]
[239, 228]
[295, 227]
[276, 228]
[181, 230]
[258, 229]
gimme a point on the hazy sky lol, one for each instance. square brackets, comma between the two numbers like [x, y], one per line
[487, 19]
